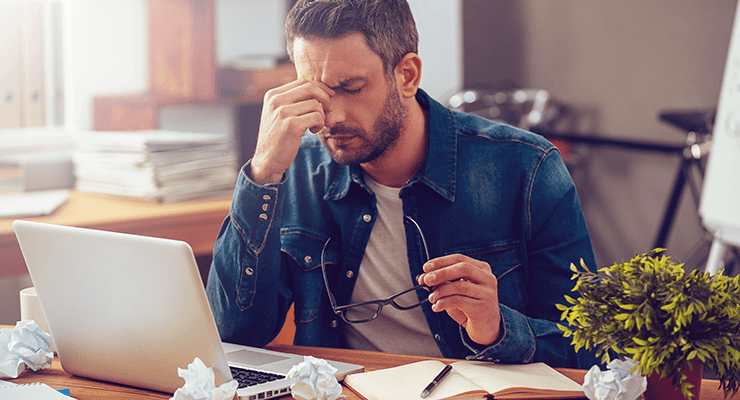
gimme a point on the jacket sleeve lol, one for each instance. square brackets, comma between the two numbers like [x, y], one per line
[555, 236]
[246, 284]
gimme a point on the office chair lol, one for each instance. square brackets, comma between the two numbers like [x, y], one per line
[524, 108]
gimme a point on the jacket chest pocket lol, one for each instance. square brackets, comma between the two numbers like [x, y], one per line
[503, 258]
[303, 251]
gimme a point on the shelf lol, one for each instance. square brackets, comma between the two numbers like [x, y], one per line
[183, 72]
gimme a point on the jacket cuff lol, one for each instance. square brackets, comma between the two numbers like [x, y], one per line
[256, 208]
[516, 346]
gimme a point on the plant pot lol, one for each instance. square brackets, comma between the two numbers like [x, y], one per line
[663, 389]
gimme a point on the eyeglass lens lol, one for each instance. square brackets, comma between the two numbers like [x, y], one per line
[362, 313]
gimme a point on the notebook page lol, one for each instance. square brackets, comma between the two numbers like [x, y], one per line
[496, 377]
[407, 381]
[33, 391]
[31, 204]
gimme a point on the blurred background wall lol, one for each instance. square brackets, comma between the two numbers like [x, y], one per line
[618, 64]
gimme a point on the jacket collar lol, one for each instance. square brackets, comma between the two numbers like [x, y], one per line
[438, 175]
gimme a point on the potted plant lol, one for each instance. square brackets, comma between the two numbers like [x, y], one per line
[650, 310]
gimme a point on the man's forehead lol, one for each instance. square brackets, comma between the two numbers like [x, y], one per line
[354, 41]
[334, 61]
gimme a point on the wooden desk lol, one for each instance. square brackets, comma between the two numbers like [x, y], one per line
[195, 222]
[83, 389]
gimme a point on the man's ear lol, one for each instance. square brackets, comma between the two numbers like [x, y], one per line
[408, 74]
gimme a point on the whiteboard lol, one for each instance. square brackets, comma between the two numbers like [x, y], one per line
[719, 207]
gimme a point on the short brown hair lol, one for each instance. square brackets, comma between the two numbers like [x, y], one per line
[388, 25]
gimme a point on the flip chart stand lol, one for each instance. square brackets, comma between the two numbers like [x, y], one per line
[698, 128]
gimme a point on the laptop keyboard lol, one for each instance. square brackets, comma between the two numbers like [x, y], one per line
[250, 377]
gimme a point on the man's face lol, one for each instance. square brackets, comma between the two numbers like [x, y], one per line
[367, 114]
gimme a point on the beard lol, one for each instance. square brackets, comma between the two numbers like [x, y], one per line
[385, 132]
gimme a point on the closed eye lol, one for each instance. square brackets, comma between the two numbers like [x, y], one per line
[352, 90]
[351, 85]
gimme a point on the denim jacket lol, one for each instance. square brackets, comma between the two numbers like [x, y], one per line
[487, 190]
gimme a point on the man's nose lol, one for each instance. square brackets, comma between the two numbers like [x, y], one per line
[337, 114]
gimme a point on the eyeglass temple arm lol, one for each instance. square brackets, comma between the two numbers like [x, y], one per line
[332, 300]
[421, 234]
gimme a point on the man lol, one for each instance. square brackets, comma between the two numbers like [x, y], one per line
[389, 190]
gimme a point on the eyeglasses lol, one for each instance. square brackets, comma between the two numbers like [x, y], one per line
[369, 310]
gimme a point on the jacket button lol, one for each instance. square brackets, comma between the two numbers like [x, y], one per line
[437, 337]
[367, 217]
[350, 274]
[266, 197]
[307, 259]
[334, 323]
[249, 271]
[265, 207]
[263, 217]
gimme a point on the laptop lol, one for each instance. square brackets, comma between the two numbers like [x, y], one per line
[132, 309]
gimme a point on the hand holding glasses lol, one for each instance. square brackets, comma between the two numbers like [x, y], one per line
[477, 311]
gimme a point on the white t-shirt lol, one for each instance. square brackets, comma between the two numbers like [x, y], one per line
[385, 271]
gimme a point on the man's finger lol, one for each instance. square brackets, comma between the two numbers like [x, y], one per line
[460, 271]
[458, 287]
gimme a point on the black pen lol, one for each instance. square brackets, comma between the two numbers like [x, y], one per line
[436, 381]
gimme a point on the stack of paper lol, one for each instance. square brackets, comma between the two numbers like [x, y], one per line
[165, 166]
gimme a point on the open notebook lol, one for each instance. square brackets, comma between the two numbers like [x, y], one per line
[467, 380]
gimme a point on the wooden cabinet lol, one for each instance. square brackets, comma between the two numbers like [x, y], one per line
[181, 49]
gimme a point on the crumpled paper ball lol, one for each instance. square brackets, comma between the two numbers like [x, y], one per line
[616, 383]
[200, 384]
[313, 378]
[25, 346]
